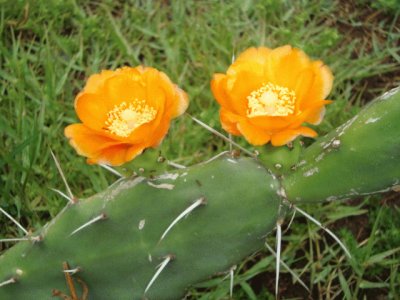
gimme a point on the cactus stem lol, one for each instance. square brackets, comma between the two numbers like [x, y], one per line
[187, 211]
[13, 220]
[71, 197]
[112, 170]
[102, 216]
[160, 268]
[217, 133]
[175, 165]
[295, 276]
[231, 275]
[325, 229]
[8, 281]
[278, 255]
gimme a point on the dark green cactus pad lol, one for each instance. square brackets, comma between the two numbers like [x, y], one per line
[236, 205]
[361, 157]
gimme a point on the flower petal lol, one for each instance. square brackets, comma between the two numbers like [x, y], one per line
[124, 88]
[239, 87]
[252, 134]
[96, 81]
[182, 103]
[272, 63]
[304, 84]
[324, 79]
[92, 109]
[316, 115]
[177, 99]
[145, 133]
[289, 67]
[256, 55]
[246, 74]
[115, 155]
[218, 88]
[271, 124]
[275, 124]
[229, 121]
[284, 137]
[321, 86]
[86, 141]
[252, 60]
[312, 114]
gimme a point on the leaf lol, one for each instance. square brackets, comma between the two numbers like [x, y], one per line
[248, 290]
[344, 286]
[373, 285]
[380, 257]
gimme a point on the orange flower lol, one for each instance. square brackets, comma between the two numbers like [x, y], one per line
[123, 112]
[267, 94]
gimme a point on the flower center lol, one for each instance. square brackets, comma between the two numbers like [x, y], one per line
[271, 100]
[125, 118]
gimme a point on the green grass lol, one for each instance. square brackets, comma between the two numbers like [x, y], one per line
[48, 49]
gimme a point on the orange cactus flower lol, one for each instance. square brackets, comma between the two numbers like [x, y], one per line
[123, 112]
[267, 94]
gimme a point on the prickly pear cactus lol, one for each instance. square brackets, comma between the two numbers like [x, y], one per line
[153, 238]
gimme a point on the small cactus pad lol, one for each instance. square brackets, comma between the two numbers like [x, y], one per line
[361, 157]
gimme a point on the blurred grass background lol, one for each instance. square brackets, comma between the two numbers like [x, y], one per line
[49, 48]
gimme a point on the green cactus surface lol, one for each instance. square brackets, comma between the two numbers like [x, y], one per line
[116, 239]
[361, 157]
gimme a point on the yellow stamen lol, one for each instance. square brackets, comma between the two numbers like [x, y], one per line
[123, 119]
[271, 100]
